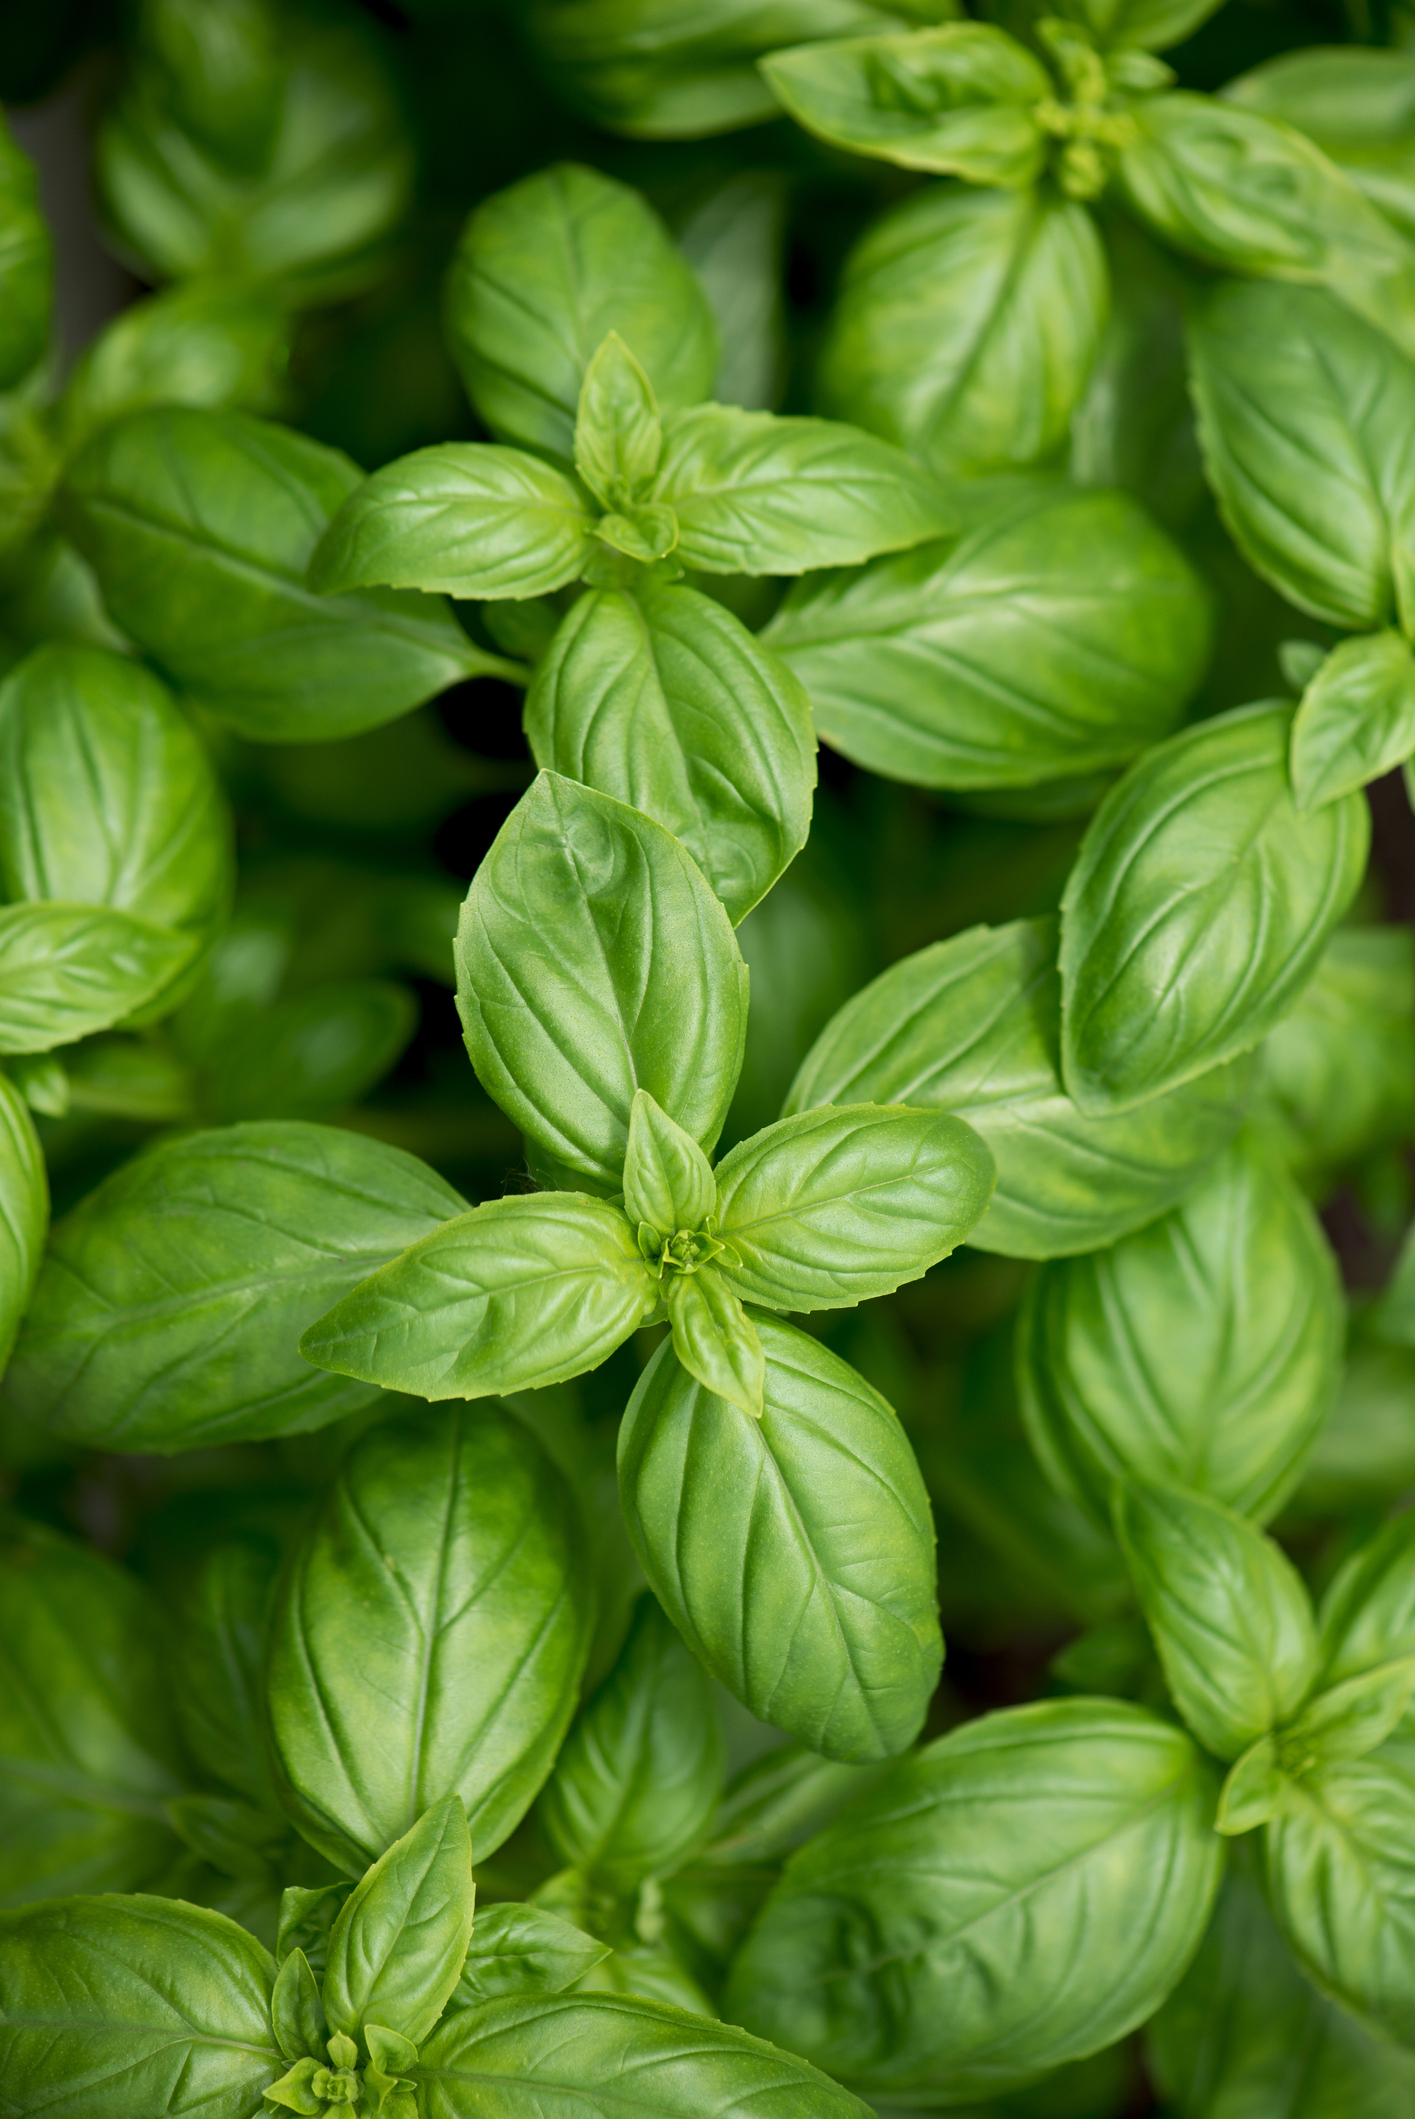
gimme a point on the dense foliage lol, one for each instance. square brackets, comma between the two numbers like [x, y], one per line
[479, 1542]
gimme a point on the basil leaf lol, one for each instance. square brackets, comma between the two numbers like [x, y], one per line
[715, 1339]
[618, 433]
[734, 239]
[593, 960]
[217, 1650]
[197, 343]
[1368, 1613]
[1355, 104]
[429, 1637]
[1349, 1720]
[530, 2054]
[972, 1025]
[1198, 908]
[140, 1334]
[668, 1181]
[200, 526]
[24, 1213]
[296, 2010]
[143, 2004]
[830, 1207]
[956, 100]
[307, 1056]
[88, 1751]
[664, 700]
[107, 796]
[1356, 719]
[544, 272]
[468, 518]
[638, 1778]
[1229, 1613]
[1072, 1836]
[518, 1950]
[1307, 421]
[966, 326]
[1244, 2032]
[1139, 25]
[794, 1553]
[519, 1293]
[397, 1949]
[26, 267]
[755, 494]
[68, 970]
[1061, 639]
[1338, 1072]
[1239, 1276]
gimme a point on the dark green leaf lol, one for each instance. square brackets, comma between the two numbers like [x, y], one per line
[734, 241]
[24, 1212]
[1143, 25]
[198, 343]
[1337, 1074]
[306, 1056]
[397, 1949]
[26, 267]
[67, 970]
[517, 1950]
[1356, 719]
[217, 1651]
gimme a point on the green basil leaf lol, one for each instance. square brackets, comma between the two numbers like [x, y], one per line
[307, 1056]
[614, 2055]
[956, 100]
[781, 1800]
[1138, 25]
[593, 960]
[1243, 2033]
[1307, 421]
[830, 1207]
[24, 1212]
[967, 325]
[795, 1553]
[218, 1645]
[1239, 1276]
[88, 1751]
[1071, 1837]
[1229, 1613]
[664, 700]
[1338, 1072]
[307, 1915]
[1355, 103]
[668, 1181]
[140, 1334]
[1349, 1720]
[26, 267]
[1061, 639]
[397, 1949]
[544, 272]
[1356, 719]
[1368, 1613]
[638, 1779]
[200, 526]
[518, 1950]
[296, 2010]
[430, 1635]
[67, 970]
[132, 2006]
[468, 518]
[201, 342]
[755, 494]
[519, 1293]
[1198, 908]
[107, 796]
[734, 240]
[715, 1339]
[1254, 1791]
[972, 1025]
[618, 433]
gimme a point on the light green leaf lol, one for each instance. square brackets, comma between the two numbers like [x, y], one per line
[593, 960]
[67, 970]
[1137, 25]
[430, 1635]
[1062, 638]
[169, 1308]
[715, 1339]
[1255, 1790]
[397, 1949]
[544, 272]
[199, 342]
[517, 1294]
[467, 517]
[1351, 1719]
[618, 433]
[1072, 1837]
[664, 700]
[795, 1553]
[668, 1181]
[518, 1950]
[1356, 719]
[1368, 1613]
[1356, 103]
[24, 1212]
[1198, 908]
[296, 2010]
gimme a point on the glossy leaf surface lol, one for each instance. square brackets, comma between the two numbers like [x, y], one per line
[398, 1947]
[519, 1949]
[1356, 719]
[67, 970]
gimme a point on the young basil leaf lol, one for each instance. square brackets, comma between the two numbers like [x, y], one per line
[1063, 638]
[1349, 1720]
[468, 518]
[1307, 421]
[967, 325]
[618, 433]
[296, 2010]
[1198, 908]
[593, 960]
[67, 970]
[1368, 1613]
[668, 1181]
[397, 1949]
[518, 1950]
[88, 1752]
[534, 2052]
[830, 1207]
[755, 494]
[26, 266]
[429, 1637]
[307, 1916]
[1071, 1838]
[1229, 1613]
[544, 272]
[972, 1025]
[1239, 1276]
[1356, 719]
[132, 2006]
[714, 1338]
[638, 1778]
[1255, 1790]
[107, 796]
[218, 1643]
[197, 343]
[663, 699]
[24, 1212]
[795, 1553]
[140, 1337]
[1354, 102]
[200, 526]
[1338, 1073]
[956, 100]
[519, 1293]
